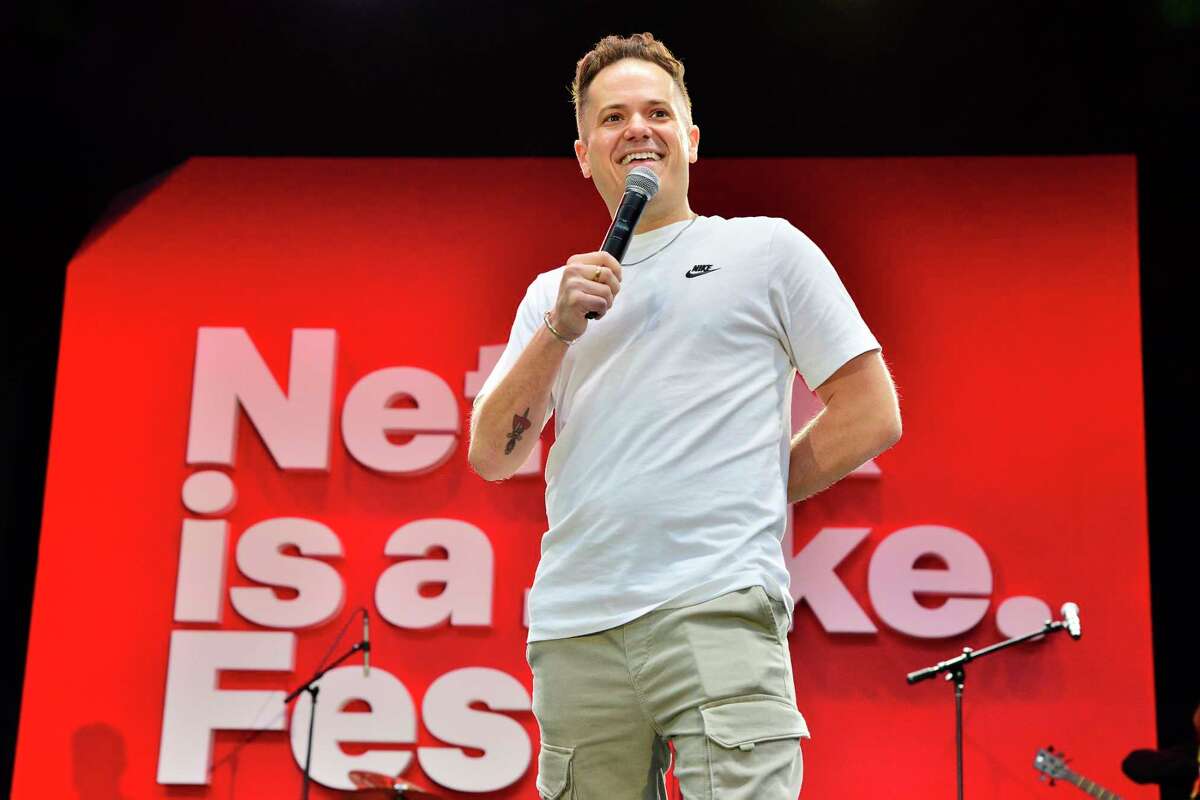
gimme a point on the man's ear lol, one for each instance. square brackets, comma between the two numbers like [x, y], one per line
[581, 157]
[693, 144]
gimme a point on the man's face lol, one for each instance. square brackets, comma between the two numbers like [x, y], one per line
[633, 107]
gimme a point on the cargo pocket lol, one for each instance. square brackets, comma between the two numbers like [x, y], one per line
[753, 745]
[554, 772]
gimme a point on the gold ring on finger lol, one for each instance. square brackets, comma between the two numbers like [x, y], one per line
[599, 272]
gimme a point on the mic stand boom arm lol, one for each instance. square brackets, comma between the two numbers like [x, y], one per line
[311, 687]
[958, 662]
[956, 671]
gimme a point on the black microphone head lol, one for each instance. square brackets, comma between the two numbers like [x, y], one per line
[643, 180]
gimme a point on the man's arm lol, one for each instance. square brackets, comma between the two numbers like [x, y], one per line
[501, 420]
[860, 420]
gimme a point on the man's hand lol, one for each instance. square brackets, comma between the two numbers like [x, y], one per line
[590, 283]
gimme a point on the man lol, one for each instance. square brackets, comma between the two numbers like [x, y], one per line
[660, 608]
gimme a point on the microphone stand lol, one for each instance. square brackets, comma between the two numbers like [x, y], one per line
[311, 687]
[956, 672]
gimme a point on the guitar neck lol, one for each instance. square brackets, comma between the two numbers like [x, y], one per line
[1093, 788]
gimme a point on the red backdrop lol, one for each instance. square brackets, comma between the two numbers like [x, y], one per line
[1004, 290]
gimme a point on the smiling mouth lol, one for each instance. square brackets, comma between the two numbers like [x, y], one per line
[633, 159]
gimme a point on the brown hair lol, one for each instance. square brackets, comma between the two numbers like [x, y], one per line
[612, 49]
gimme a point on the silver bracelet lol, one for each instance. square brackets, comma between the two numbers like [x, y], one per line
[557, 335]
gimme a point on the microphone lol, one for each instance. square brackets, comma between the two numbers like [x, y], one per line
[1070, 613]
[641, 184]
[366, 644]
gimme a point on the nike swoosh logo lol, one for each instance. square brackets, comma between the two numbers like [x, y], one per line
[700, 269]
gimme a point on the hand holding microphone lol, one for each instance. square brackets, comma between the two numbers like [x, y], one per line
[592, 280]
[589, 286]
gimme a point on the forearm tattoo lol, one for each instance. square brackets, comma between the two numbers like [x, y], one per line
[521, 424]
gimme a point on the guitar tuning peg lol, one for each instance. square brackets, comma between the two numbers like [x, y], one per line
[1052, 781]
[1049, 748]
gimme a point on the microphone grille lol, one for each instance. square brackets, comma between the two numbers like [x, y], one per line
[642, 179]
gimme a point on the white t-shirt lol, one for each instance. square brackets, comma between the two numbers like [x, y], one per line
[667, 482]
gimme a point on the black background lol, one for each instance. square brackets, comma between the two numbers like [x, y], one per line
[101, 97]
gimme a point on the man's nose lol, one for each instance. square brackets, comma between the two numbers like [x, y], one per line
[638, 127]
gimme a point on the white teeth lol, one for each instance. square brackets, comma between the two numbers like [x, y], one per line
[640, 157]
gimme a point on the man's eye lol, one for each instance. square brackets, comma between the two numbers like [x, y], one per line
[612, 118]
[661, 111]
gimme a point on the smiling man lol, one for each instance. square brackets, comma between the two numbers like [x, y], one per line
[660, 608]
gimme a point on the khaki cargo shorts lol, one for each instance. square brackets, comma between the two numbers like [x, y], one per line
[714, 679]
